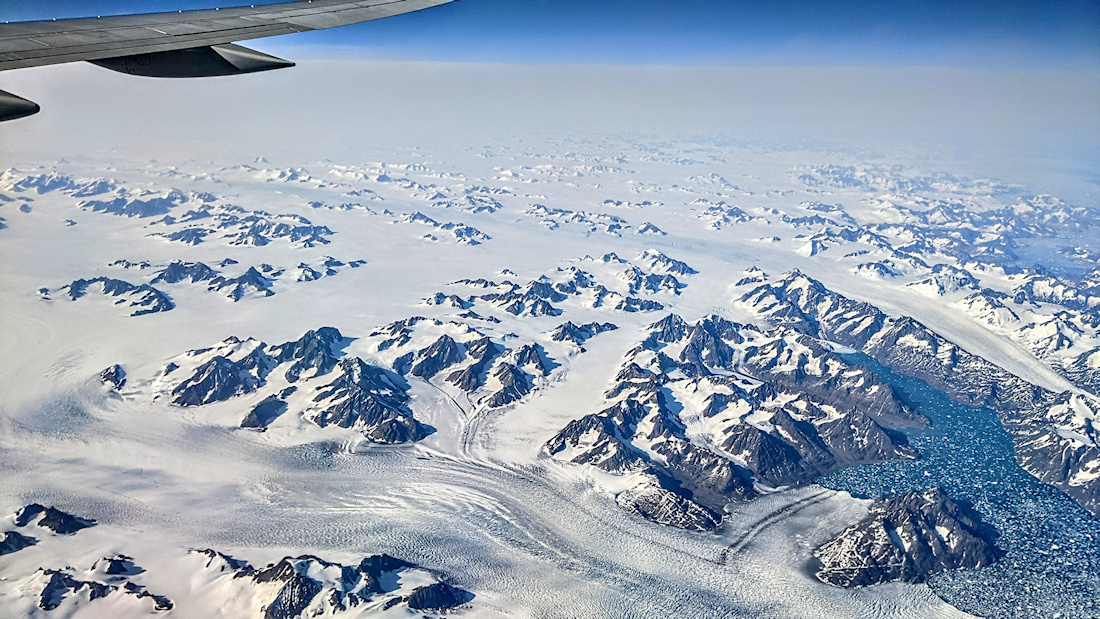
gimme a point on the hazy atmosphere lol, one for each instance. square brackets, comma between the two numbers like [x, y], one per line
[1008, 87]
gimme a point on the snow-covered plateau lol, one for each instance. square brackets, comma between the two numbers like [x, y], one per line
[594, 377]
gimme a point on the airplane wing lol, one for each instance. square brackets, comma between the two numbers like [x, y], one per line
[178, 44]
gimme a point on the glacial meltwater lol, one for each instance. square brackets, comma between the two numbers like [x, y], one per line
[1051, 566]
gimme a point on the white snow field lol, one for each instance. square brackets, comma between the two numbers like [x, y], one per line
[466, 232]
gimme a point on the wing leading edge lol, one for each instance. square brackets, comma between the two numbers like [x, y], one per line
[179, 44]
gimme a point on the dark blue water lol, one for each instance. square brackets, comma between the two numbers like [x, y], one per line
[1052, 563]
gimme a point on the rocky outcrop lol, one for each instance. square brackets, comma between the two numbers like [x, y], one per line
[316, 351]
[108, 578]
[442, 354]
[309, 586]
[369, 400]
[179, 271]
[716, 412]
[222, 378]
[1048, 446]
[651, 501]
[237, 288]
[438, 596]
[471, 378]
[569, 332]
[907, 538]
[15, 541]
[114, 377]
[144, 298]
[446, 300]
[357, 395]
[658, 262]
[514, 384]
[1084, 370]
[126, 206]
[51, 518]
[533, 358]
[264, 413]
[625, 291]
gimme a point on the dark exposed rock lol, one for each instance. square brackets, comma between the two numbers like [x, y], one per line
[307, 273]
[264, 413]
[178, 271]
[225, 562]
[15, 541]
[535, 307]
[119, 565]
[219, 379]
[671, 328]
[114, 376]
[216, 380]
[640, 281]
[448, 300]
[438, 596]
[542, 289]
[136, 207]
[442, 354]
[859, 439]
[51, 518]
[315, 349]
[293, 598]
[579, 334]
[368, 399]
[906, 346]
[476, 316]
[945, 279]
[514, 384]
[667, 507]
[706, 346]
[772, 459]
[147, 299]
[907, 538]
[704, 476]
[472, 377]
[376, 565]
[239, 287]
[482, 348]
[634, 304]
[352, 586]
[798, 417]
[1084, 370]
[187, 236]
[284, 570]
[658, 261]
[403, 364]
[609, 451]
[61, 584]
[823, 375]
[45, 183]
[160, 602]
[532, 356]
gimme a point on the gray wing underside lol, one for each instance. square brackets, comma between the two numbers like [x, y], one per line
[31, 44]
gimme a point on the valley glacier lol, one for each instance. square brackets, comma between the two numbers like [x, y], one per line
[606, 377]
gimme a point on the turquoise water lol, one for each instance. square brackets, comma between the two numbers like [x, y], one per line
[1051, 566]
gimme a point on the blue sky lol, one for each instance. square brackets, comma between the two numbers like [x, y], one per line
[913, 32]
